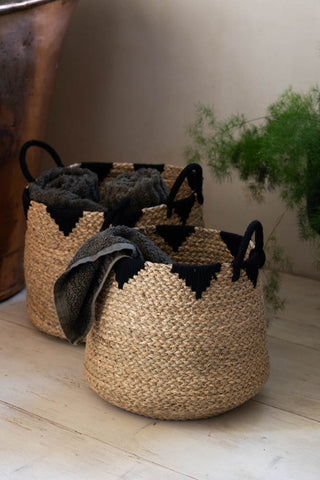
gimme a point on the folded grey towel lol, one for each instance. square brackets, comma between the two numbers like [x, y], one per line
[65, 187]
[76, 290]
[77, 187]
[145, 187]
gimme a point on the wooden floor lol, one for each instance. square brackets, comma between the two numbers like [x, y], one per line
[53, 427]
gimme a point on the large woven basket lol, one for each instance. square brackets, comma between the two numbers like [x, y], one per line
[53, 236]
[186, 340]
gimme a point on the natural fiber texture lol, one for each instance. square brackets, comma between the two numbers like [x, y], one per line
[76, 290]
[157, 350]
[49, 247]
[47, 254]
[158, 215]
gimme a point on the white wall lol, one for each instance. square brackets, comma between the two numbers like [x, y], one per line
[132, 71]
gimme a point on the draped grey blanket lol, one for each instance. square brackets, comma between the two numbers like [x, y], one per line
[76, 290]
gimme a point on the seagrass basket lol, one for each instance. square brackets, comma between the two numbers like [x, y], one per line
[186, 340]
[54, 235]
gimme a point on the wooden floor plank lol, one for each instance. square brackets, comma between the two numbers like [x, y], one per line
[43, 376]
[34, 449]
[301, 334]
[299, 322]
[252, 442]
[294, 383]
[14, 310]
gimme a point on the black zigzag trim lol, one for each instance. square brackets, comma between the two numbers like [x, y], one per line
[107, 220]
[26, 201]
[175, 235]
[127, 268]
[232, 241]
[198, 277]
[183, 207]
[101, 169]
[159, 166]
[126, 217]
[66, 219]
[121, 215]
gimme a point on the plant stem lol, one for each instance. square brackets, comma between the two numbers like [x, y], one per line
[277, 224]
[264, 117]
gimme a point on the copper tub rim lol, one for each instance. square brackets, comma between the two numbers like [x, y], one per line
[22, 5]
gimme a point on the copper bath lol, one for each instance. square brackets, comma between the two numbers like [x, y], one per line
[31, 36]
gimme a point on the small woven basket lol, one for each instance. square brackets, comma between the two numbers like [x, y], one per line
[54, 235]
[183, 341]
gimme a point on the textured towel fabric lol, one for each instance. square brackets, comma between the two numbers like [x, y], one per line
[76, 290]
[65, 187]
[145, 188]
[77, 187]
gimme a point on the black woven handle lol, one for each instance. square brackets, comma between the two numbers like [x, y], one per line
[193, 173]
[257, 256]
[23, 154]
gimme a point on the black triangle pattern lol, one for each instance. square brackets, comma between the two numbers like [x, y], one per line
[159, 166]
[232, 241]
[116, 217]
[183, 207]
[26, 201]
[128, 217]
[198, 277]
[121, 215]
[175, 235]
[65, 218]
[127, 268]
[101, 169]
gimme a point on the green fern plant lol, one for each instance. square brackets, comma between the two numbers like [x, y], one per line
[280, 150]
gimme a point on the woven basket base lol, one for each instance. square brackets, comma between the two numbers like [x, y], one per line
[157, 350]
[185, 411]
[45, 322]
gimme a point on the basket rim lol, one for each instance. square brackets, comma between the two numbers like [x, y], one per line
[114, 164]
[223, 265]
[152, 228]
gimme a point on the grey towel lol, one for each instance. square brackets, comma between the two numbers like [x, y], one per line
[76, 290]
[67, 187]
[145, 187]
[77, 187]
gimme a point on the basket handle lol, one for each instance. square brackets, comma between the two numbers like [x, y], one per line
[256, 257]
[41, 144]
[193, 173]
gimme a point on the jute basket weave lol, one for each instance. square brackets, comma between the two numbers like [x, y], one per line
[178, 343]
[49, 247]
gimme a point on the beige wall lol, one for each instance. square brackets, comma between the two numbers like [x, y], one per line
[133, 70]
